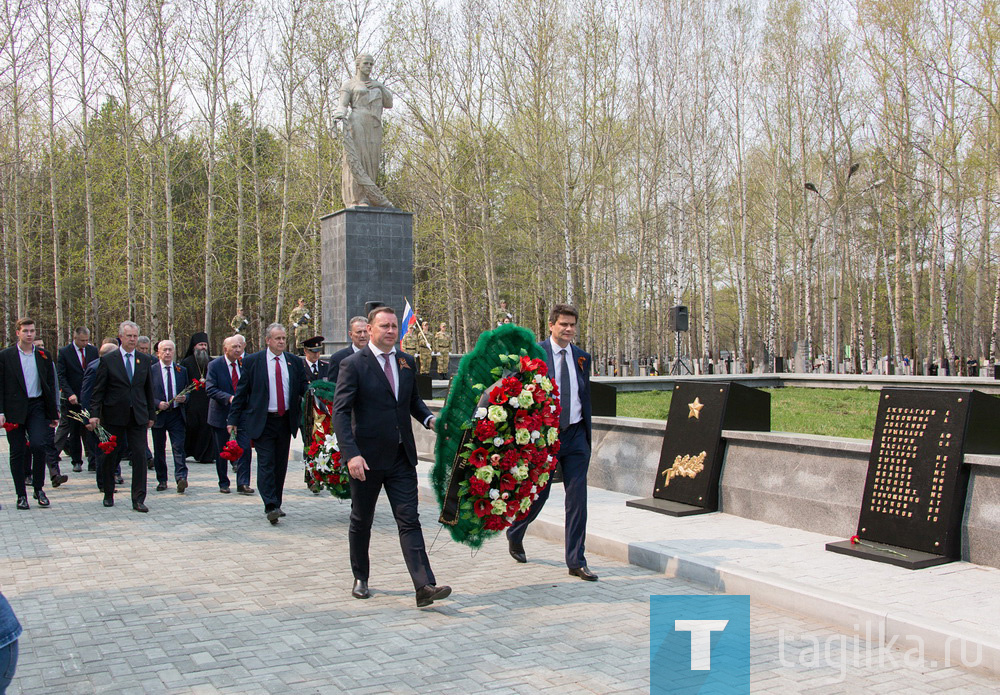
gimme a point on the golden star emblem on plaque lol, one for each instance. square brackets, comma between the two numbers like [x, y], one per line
[694, 409]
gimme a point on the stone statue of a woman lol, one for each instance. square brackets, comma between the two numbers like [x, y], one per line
[360, 112]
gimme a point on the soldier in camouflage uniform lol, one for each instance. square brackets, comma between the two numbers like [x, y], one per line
[442, 346]
[239, 322]
[504, 316]
[298, 322]
[410, 341]
[424, 349]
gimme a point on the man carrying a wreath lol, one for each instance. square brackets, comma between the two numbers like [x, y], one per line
[569, 368]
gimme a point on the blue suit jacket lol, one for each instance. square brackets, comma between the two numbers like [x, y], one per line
[219, 388]
[581, 366]
[160, 391]
[248, 410]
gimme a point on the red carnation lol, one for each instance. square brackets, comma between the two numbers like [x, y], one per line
[481, 507]
[314, 449]
[498, 396]
[512, 385]
[479, 457]
[485, 430]
[478, 487]
[10, 426]
[495, 523]
[510, 458]
[231, 451]
[507, 482]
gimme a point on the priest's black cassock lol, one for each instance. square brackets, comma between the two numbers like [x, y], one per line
[199, 440]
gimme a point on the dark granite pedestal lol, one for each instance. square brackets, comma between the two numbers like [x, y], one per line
[367, 254]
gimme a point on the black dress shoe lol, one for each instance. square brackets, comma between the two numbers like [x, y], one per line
[224, 490]
[77, 467]
[119, 480]
[516, 551]
[426, 595]
[160, 487]
[139, 507]
[273, 515]
[583, 573]
[182, 485]
[109, 501]
[244, 489]
[43, 501]
[22, 503]
[58, 480]
[281, 513]
[360, 589]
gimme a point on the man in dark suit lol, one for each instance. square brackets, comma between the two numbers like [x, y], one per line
[86, 397]
[70, 365]
[28, 399]
[123, 405]
[376, 396]
[267, 407]
[569, 369]
[358, 333]
[223, 376]
[315, 367]
[169, 379]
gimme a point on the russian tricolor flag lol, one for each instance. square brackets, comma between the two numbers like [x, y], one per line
[408, 320]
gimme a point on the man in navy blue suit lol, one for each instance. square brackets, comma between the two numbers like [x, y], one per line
[375, 399]
[169, 379]
[267, 407]
[222, 378]
[358, 333]
[569, 369]
[72, 361]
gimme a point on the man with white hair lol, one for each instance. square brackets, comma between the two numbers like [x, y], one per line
[223, 376]
[169, 379]
[123, 405]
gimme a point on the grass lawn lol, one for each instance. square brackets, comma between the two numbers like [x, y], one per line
[828, 412]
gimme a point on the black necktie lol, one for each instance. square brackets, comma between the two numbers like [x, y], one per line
[565, 395]
[170, 386]
[315, 369]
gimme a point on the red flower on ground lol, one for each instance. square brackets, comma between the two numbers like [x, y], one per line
[855, 540]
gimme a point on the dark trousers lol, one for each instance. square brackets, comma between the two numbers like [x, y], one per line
[574, 455]
[272, 459]
[133, 437]
[34, 437]
[222, 465]
[169, 421]
[72, 438]
[400, 483]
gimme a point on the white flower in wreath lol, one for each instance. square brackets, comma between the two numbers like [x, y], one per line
[525, 399]
[480, 413]
[331, 440]
[546, 384]
[552, 435]
[498, 441]
[535, 434]
[538, 378]
[520, 473]
[522, 436]
[534, 489]
[497, 413]
[494, 494]
[499, 507]
[512, 402]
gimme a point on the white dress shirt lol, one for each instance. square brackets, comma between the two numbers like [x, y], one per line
[167, 371]
[391, 356]
[239, 372]
[125, 360]
[573, 401]
[30, 370]
[272, 394]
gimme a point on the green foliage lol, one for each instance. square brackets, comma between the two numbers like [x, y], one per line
[477, 370]
[824, 412]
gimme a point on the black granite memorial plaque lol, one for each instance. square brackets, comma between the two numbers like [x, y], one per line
[425, 386]
[603, 400]
[687, 480]
[914, 498]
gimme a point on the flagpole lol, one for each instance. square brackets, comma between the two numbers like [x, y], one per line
[426, 342]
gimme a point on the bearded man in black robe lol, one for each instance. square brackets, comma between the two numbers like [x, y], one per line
[199, 440]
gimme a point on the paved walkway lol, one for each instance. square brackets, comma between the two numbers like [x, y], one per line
[203, 596]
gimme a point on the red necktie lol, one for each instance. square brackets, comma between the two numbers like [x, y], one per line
[235, 377]
[278, 386]
[83, 358]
